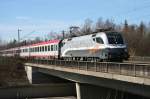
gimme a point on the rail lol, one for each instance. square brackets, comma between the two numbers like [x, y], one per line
[128, 69]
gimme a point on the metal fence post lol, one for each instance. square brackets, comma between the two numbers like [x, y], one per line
[143, 68]
[86, 67]
[106, 67]
[119, 69]
[134, 70]
[78, 66]
[95, 66]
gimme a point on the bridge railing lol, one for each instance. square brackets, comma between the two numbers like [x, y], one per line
[128, 69]
[139, 58]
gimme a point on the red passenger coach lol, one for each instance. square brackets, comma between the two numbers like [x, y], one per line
[48, 49]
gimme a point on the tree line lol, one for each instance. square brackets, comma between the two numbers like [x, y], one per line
[136, 36]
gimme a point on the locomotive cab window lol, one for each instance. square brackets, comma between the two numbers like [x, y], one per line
[99, 40]
[115, 38]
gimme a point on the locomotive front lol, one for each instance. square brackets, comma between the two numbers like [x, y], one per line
[116, 46]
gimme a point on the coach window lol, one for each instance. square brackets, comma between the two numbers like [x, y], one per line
[34, 49]
[37, 49]
[52, 48]
[42, 48]
[99, 40]
[49, 48]
[45, 48]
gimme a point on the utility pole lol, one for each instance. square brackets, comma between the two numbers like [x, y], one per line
[63, 34]
[18, 53]
[19, 35]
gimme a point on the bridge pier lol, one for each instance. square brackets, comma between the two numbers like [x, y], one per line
[28, 70]
[78, 92]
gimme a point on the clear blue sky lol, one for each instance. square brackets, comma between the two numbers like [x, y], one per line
[44, 16]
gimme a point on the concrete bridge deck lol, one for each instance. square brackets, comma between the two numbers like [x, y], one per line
[133, 78]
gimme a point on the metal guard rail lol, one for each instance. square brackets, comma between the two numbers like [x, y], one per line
[128, 69]
[139, 58]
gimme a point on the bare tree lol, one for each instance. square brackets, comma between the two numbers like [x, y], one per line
[99, 23]
[87, 27]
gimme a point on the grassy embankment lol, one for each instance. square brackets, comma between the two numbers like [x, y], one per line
[12, 72]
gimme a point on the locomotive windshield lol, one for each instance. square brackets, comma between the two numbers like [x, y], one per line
[114, 38]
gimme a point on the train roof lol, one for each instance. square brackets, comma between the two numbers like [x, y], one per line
[36, 44]
[45, 42]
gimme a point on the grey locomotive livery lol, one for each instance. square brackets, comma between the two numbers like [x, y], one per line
[101, 46]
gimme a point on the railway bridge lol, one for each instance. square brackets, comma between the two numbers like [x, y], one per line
[97, 80]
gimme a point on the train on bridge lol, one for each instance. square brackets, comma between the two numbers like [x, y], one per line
[100, 46]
